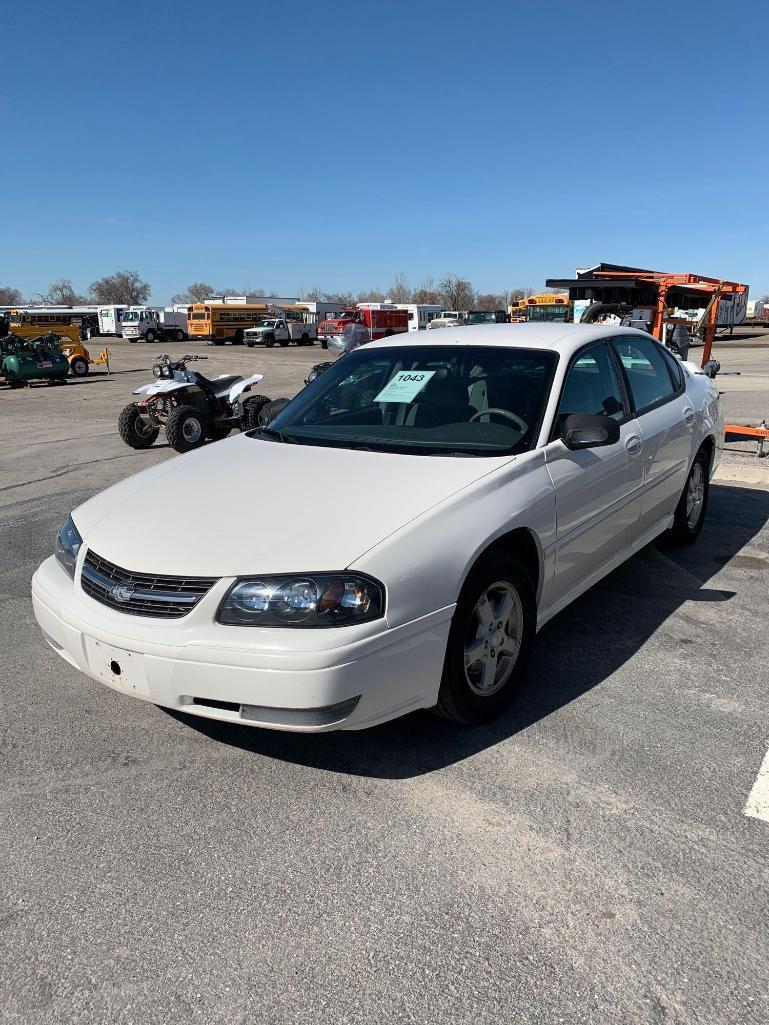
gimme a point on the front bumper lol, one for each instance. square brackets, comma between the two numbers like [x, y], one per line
[298, 680]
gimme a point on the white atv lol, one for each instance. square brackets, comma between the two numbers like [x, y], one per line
[191, 407]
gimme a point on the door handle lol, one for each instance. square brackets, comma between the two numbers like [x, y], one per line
[634, 444]
[688, 415]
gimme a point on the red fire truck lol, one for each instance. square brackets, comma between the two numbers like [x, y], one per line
[367, 320]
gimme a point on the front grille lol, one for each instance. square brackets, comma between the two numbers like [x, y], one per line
[141, 594]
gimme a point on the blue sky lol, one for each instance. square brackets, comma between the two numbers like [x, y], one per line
[302, 145]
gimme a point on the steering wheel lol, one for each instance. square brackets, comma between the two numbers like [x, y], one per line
[519, 423]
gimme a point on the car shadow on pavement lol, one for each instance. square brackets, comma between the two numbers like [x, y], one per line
[575, 652]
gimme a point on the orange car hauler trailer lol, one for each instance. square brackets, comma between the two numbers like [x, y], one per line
[661, 293]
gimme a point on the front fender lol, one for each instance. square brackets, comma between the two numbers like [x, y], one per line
[161, 387]
[425, 563]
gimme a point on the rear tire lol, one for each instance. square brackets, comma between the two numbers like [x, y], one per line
[495, 620]
[135, 430]
[693, 504]
[78, 366]
[186, 429]
[251, 409]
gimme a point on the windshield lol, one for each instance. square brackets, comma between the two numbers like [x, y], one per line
[481, 318]
[130, 315]
[268, 323]
[424, 400]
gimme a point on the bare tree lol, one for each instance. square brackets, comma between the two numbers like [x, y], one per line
[427, 294]
[400, 290]
[491, 301]
[457, 293]
[124, 286]
[519, 293]
[62, 293]
[247, 291]
[311, 295]
[197, 292]
[9, 296]
[343, 298]
[373, 295]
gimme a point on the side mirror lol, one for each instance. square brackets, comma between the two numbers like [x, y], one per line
[587, 430]
[270, 410]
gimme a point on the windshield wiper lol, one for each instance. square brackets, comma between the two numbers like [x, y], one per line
[287, 439]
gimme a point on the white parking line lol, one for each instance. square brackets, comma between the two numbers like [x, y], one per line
[757, 804]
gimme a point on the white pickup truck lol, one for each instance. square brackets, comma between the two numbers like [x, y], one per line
[282, 331]
[449, 318]
[170, 325]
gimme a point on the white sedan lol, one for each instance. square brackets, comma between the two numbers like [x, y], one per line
[472, 487]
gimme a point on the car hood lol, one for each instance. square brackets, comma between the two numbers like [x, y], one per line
[247, 506]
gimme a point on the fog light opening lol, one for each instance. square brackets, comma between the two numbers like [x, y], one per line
[115, 667]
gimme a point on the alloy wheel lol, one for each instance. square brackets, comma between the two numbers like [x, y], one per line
[695, 495]
[493, 639]
[192, 430]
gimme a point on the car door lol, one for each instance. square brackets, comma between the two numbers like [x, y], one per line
[666, 416]
[597, 490]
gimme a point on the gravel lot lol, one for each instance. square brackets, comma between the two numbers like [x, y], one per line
[585, 860]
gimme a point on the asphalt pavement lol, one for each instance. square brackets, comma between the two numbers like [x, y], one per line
[584, 860]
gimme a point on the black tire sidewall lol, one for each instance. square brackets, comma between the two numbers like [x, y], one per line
[682, 532]
[127, 429]
[251, 409]
[175, 429]
[456, 701]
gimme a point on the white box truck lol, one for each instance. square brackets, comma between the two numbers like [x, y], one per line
[110, 319]
[149, 325]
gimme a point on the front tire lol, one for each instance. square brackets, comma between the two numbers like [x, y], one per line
[490, 641]
[135, 430]
[185, 429]
[179, 336]
[693, 504]
[150, 336]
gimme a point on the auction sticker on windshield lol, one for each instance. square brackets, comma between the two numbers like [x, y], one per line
[404, 386]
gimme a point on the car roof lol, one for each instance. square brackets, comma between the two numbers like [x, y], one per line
[563, 338]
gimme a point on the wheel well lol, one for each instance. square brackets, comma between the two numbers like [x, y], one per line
[521, 544]
[709, 446]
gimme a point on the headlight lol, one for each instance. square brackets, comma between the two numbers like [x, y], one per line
[157, 371]
[313, 600]
[68, 544]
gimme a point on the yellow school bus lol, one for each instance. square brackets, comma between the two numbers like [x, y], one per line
[547, 307]
[32, 325]
[218, 323]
